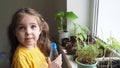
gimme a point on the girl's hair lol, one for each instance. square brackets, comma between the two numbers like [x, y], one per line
[43, 41]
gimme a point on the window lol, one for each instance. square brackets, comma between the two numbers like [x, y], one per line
[107, 19]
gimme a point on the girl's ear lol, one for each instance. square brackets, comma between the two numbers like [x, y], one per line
[40, 31]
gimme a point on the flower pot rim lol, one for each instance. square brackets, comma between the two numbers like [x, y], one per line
[86, 64]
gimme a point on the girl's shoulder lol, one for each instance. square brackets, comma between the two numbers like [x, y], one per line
[20, 52]
[25, 52]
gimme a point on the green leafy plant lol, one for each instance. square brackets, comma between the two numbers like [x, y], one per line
[62, 16]
[104, 45]
[87, 54]
[112, 44]
[71, 15]
[82, 35]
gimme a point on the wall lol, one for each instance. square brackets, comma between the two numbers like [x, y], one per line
[83, 9]
[59, 5]
[7, 7]
[48, 8]
[45, 7]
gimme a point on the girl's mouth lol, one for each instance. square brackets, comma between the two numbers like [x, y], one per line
[28, 38]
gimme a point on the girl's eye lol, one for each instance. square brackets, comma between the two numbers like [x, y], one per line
[21, 27]
[33, 26]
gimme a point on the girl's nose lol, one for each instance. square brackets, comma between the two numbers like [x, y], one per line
[28, 31]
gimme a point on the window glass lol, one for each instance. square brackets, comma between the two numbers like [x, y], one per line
[108, 23]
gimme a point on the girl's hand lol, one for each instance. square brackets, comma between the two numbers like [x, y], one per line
[57, 63]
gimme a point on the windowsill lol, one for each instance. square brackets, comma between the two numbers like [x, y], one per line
[73, 63]
[70, 59]
[66, 59]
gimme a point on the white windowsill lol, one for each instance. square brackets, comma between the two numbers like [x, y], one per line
[70, 59]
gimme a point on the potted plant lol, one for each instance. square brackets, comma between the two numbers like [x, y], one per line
[62, 27]
[113, 60]
[86, 53]
[82, 34]
[60, 16]
[86, 56]
[112, 45]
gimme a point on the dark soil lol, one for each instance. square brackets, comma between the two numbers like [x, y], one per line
[110, 64]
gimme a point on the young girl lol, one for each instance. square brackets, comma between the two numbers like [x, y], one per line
[30, 44]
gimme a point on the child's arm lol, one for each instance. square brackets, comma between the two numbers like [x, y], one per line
[57, 63]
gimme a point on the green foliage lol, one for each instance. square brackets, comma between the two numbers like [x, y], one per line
[82, 34]
[61, 16]
[87, 54]
[71, 15]
[101, 43]
[112, 44]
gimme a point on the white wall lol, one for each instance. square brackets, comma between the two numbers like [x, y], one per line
[82, 8]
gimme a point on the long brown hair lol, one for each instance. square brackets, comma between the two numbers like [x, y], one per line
[43, 41]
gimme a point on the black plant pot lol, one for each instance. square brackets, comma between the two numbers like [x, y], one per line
[73, 39]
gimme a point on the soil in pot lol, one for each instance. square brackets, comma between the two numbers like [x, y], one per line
[70, 48]
[112, 64]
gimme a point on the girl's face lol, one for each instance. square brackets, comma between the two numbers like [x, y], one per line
[28, 31]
